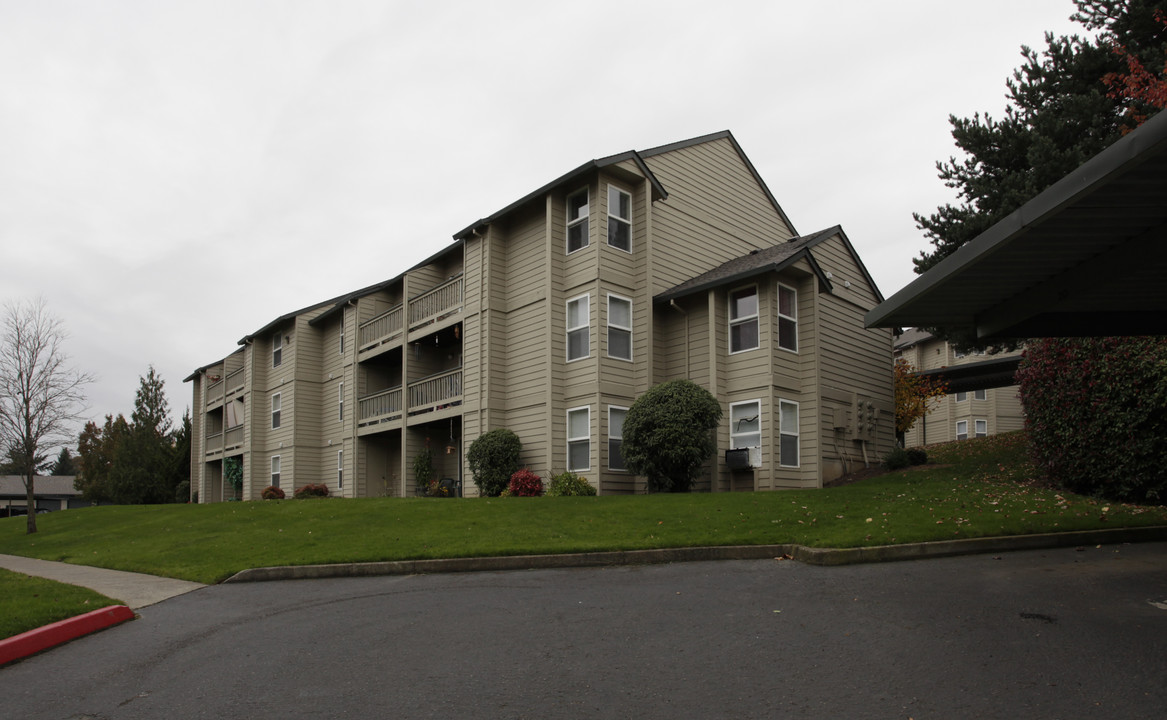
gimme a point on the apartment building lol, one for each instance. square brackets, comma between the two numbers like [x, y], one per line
[964, 414]
[550, 317]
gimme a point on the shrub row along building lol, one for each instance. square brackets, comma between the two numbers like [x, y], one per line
[550, 317]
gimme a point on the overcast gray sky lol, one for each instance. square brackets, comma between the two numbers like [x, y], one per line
[174, 175]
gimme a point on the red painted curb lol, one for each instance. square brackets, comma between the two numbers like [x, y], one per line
[34, 641]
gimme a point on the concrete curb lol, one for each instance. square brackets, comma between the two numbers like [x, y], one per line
[29, 643]
[809, 555]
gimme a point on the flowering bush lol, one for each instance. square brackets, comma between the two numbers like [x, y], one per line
[568, 483]
[311, 490]
[525, 483]
[272, 492]
[1096, 411]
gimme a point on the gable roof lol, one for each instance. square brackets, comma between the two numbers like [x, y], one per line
[1082, 258]
[12, 486]
[774, 258]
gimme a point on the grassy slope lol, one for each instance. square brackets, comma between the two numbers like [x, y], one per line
[973, 489]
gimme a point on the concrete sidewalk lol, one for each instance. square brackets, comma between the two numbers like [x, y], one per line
[134, 589]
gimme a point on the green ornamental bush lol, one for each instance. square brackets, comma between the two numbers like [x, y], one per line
[897, 459]
[668, 434]
[917, 456]
[568, 483]
[1096, 414]
[493, 457]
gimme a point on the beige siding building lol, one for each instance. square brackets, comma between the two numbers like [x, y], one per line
[958, 415]
[550, 317]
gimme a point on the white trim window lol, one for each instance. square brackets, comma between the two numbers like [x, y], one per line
[787, 318]
[789, 450]
[277, 350]
[340, 344]
[276, 405]
[980, 394]
[577, 221]
[619, 327]
[961, 396]
[616, 415]
[745, 424]
[340, 469]
[743, 319]
[579, 439]
[980, 428]
[578, 327]
[275, 471]
[340, 402]
[619, 219]
[962, 429]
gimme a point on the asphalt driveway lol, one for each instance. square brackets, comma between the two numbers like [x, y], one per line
[1044, 634]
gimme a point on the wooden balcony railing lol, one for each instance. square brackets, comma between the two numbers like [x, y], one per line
[435, 304]
[379, 407]
[384, 327]
[436, 392]
[233, 437]
[214, 443]
[235, 381]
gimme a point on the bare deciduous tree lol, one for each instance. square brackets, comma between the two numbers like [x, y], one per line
[41, 397]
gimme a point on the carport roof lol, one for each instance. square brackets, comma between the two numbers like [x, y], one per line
[1084, 257]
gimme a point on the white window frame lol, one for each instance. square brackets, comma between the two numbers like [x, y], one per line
[784, 432]
[277, 407]
[340, 402]
[961, 396]
[980, 394]
[619, 439]
[581, 219]
[340, 469]
[275, 471]
[960, 432]
[619, 328]
[735, 441]
[789, 318]
[614, 216]
[341, 343]
[755, 318]
[980, 428]
[579, 438]
[585, 326]
[277, 350]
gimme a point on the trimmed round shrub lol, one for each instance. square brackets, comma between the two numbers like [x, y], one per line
[271, 492]
[568, 483]
[493, 457]
[525, 483]
[917, 456]
[668, 434]
[897, 459]
[311, 490]
[1096, 414]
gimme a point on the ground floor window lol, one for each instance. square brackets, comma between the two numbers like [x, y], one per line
[788, 450]
[981, 428]
[745, 424]
[616, 417]
[275, 470]
[340, 468]
[579, 443]
[962, 429]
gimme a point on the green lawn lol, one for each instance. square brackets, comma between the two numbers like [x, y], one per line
[975, 488]
[30, 602]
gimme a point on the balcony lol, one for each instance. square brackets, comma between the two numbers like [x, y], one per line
[382, 329]
[234, 382]
[214, 443]
[437, 304]
[436, 392]
[378, 408]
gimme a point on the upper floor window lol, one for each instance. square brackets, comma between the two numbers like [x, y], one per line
[577, 221]
[578, 322]
[619, 327]
[743, 319]
[340, 344]
[616, 417]
[275, 411]
[579, 441]
[277, 350]
[788, 450]
[619, 219]
[787, 318]
[340, 402]
[980, 394]
[745, 424]
[961, 396]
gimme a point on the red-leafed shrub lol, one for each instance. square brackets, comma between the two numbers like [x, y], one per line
[271, 492]
[525, 483]
[311, 490]
[1096, 414]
